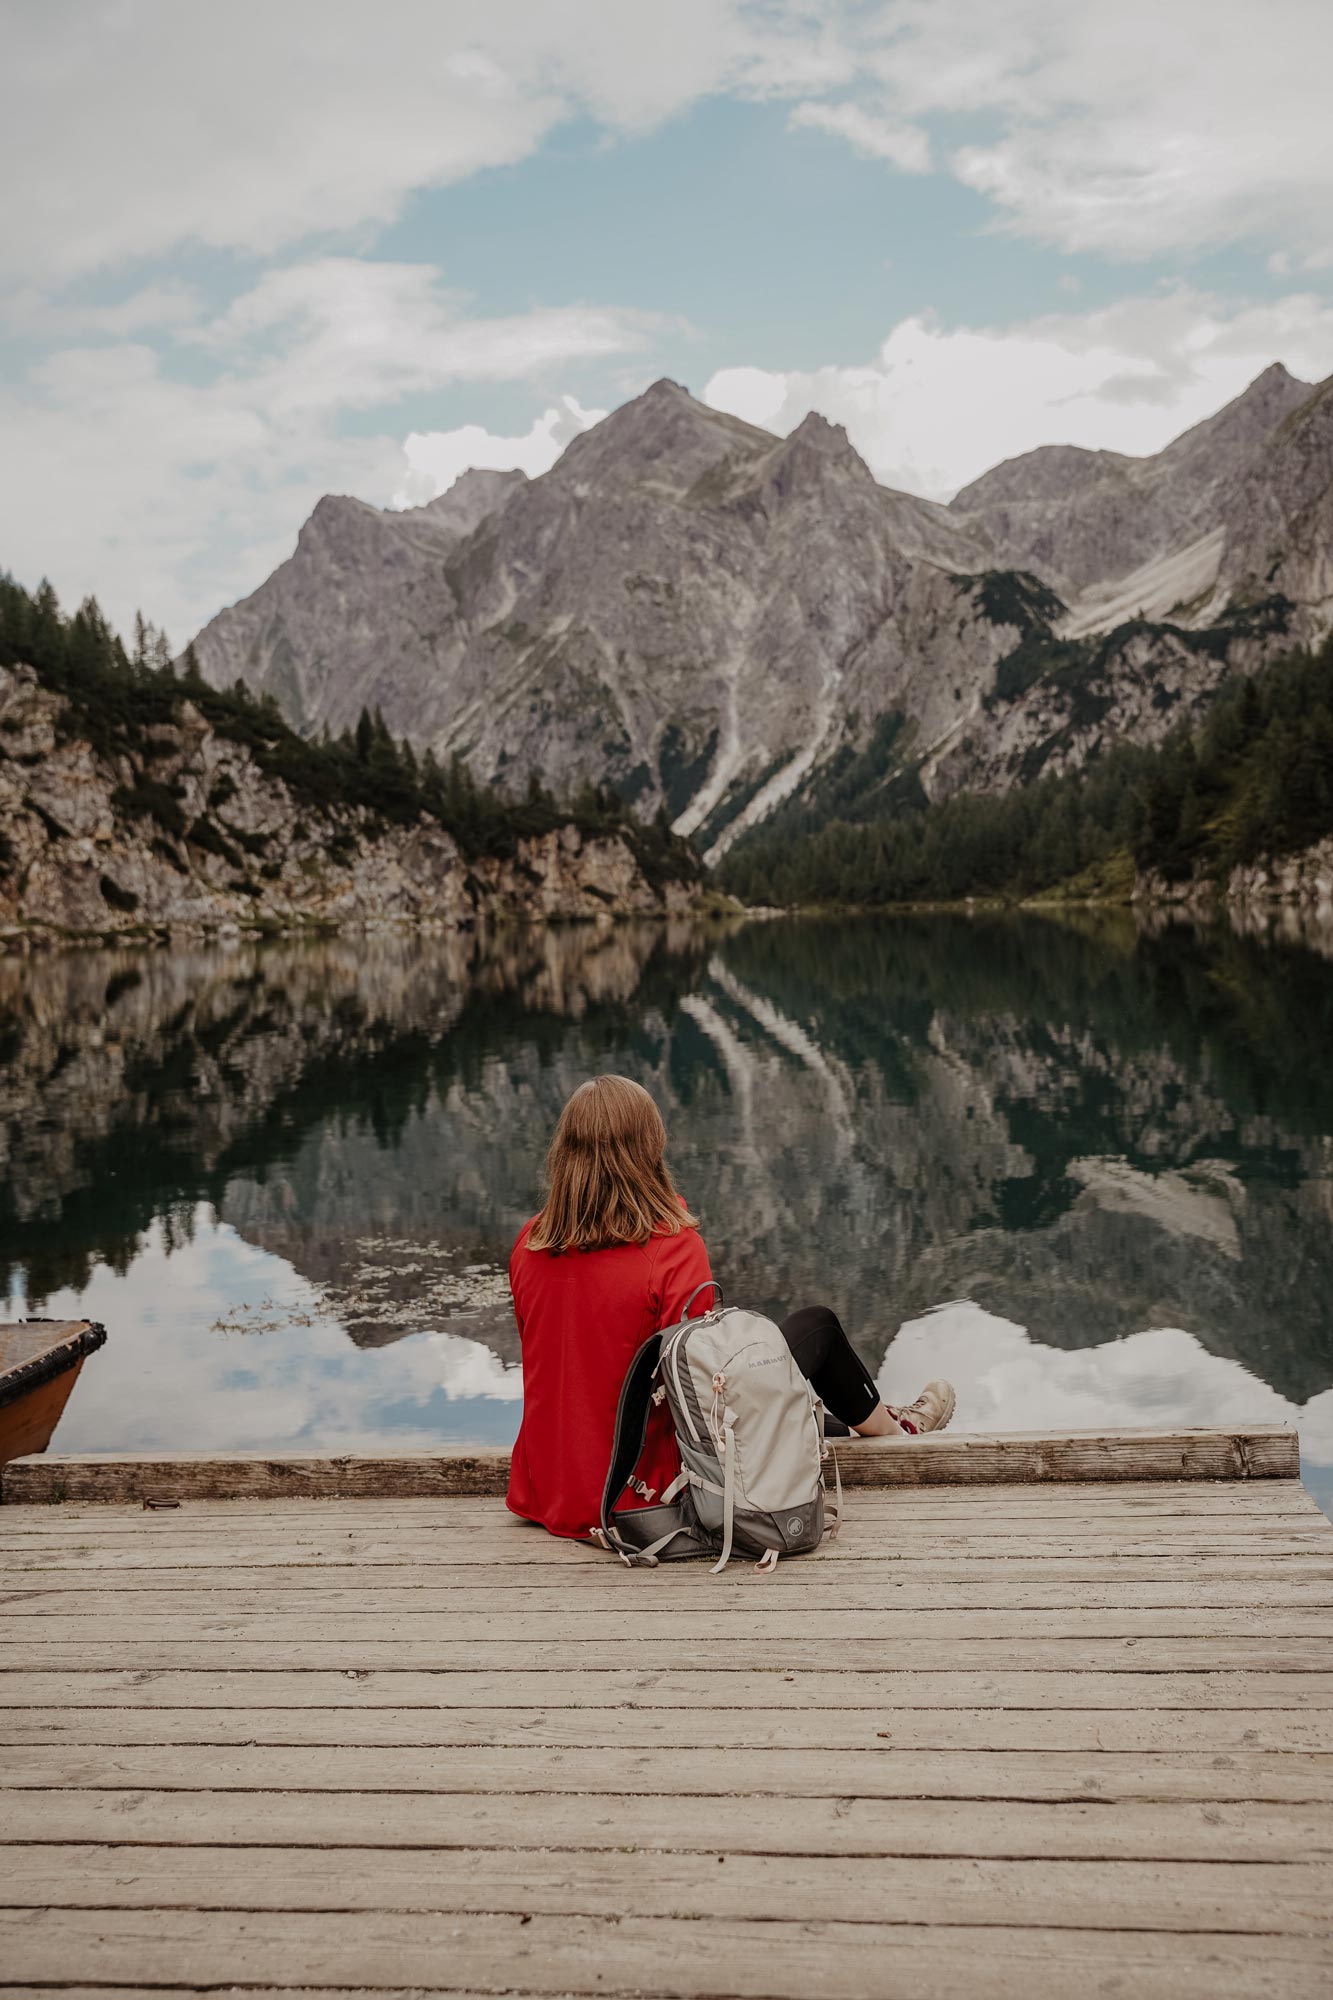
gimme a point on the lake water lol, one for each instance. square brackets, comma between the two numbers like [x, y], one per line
[1084, 1170]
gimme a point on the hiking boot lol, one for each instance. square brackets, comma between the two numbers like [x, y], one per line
[930, 1412]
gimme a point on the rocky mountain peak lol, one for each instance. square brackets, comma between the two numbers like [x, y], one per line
[815, 452]
[1239, 426]
[819, 433]
[1279, 515]
[473, 495]
[332, 516]
[664, 390]
[664, 436]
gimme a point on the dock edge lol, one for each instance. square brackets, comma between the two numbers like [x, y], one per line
[1264, 1451]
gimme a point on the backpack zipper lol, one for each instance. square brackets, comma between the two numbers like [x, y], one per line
[680, 1393]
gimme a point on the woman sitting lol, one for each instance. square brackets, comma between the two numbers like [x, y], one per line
[611, 1258]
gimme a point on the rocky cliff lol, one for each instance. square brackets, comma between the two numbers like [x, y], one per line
[1301, 881]
[1304, 878]
[188, 831]
[726, 623]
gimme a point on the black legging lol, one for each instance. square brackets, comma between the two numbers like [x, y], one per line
[832, 1367]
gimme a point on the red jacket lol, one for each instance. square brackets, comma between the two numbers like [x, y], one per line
[581, 1317]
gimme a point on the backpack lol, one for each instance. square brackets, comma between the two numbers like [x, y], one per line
[752, 1448]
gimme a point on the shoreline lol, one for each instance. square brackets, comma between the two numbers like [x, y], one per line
[25, 940]
[1212, 906]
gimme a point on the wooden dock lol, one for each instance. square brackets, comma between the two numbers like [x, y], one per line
[1020, 1739]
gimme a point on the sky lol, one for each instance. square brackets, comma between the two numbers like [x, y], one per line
[256, 254]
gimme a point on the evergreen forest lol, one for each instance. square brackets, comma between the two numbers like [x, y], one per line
[1255, 779]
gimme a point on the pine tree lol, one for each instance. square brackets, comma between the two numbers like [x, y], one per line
[432, 785]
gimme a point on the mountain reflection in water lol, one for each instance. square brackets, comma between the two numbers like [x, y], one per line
[265, 1168]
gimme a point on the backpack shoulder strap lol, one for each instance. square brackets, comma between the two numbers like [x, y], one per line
[641, 1534]
[636, 1401]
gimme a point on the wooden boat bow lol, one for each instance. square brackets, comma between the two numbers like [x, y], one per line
[40, 1361]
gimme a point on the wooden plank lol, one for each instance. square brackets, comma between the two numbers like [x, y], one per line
[83, 1991]
[732, 1624]
[881, 1505]
[552, 1558]
[624, 1689]
[904, 1653]
[527, 1557]
[884, 1772]
[864, 1590]
[65, 1720]
[885, 1513]
[881, 1522]
[1019, 1829]
[1281, 1497]
[979, 1557]
[379, 1951]
[688, 1582]
[57, 1477]
[549, 1554]
[952, 1458]
[847, 1583]
[1222, 1896]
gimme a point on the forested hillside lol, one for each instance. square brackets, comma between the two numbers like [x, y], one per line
[116, 700]
[136, 799]
[1256, 780]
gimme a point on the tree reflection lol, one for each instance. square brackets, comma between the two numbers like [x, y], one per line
[1088, 1125]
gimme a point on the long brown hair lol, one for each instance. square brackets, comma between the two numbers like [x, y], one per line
[607, 1174]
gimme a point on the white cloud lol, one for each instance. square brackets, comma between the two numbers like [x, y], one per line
[354, 333]
[903, 146]
[1137, 130]
[762, 396]
[164, 305]
[938, 406]
[436, 458]
[145, 127]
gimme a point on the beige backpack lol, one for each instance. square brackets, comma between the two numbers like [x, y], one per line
[752, 1448]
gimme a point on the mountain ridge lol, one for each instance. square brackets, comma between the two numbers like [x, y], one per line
[716, 621]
